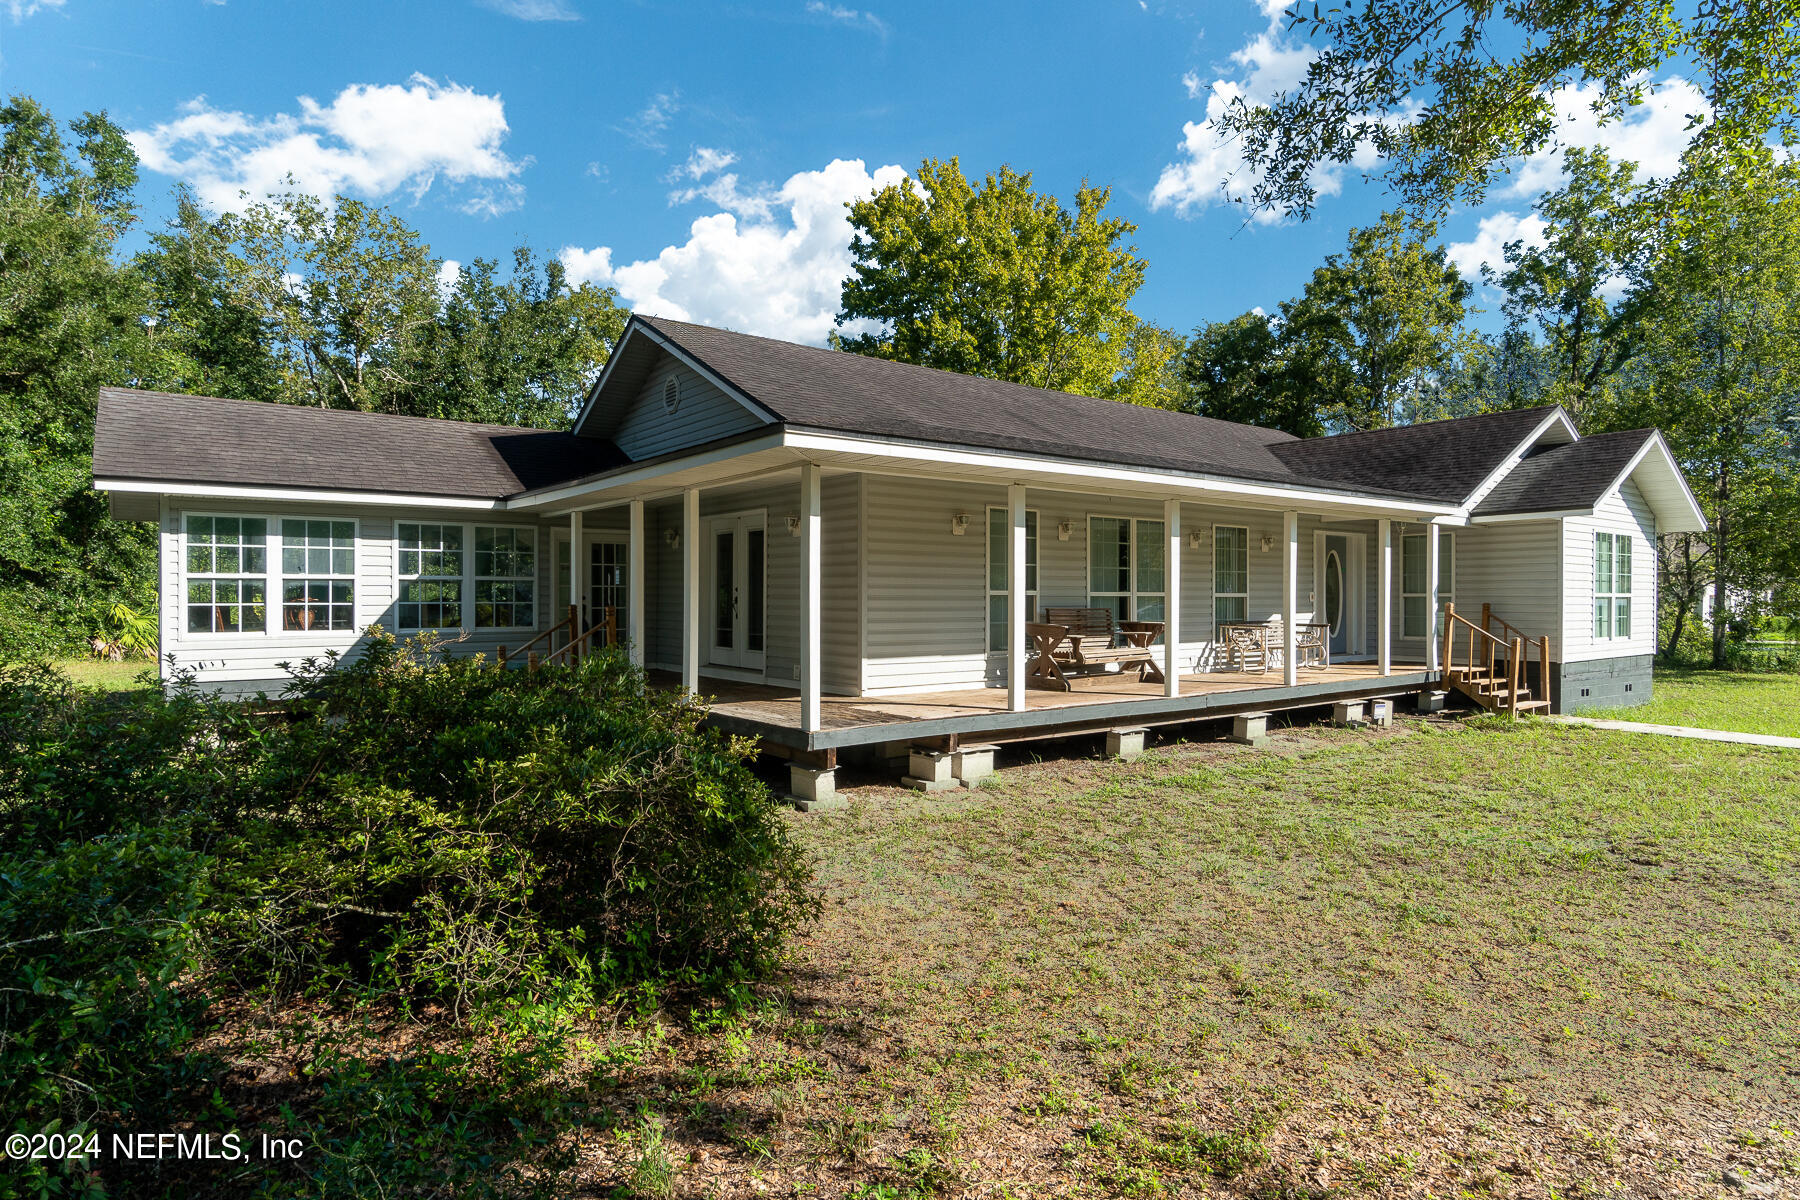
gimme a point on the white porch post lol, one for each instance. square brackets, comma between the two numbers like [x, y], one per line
[690, 590]
[1015, 599]
[1384, 628]
[1431, 596]
[574, 572]
[810, 539]
[1172, 600]
[1290, 597]
[634, 584]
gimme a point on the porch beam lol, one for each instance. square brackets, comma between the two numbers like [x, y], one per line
[1172, 600]
[1431, 597]
[690, 590]
[1384, 568]
[811, 537]
[634, 583]
[1290, 597]
[576, 599]
[1015, 598]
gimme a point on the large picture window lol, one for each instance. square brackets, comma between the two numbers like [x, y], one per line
[505, 577]
[1612, 585]
[999, 530]
[1231, 573]
[431, 571]
[1415, 597]
[1127, 572]
[318, 575]
[227, 574]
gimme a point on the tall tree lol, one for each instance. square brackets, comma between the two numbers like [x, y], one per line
[1720, 374]
[1151, 375]
[1448, 93]
[1378, 329]
[1592, 245]
[1233, 370]
[992, 280]
[69, 323]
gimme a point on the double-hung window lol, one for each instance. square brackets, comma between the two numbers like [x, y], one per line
[1415, 598]
[1127, 571]
[431, 572]
[318, 574]
[1231, 573]
[999, 532]
[1612, 585]
[227, 574]
[505, 577]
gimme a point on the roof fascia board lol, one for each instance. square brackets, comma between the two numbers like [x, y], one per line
[631, 475]
[631, 328]
[717, 380]
[1512, 460]
[230, 491]
[1695, 513]
[759, 474]
[1510, 518]
[1142, 477]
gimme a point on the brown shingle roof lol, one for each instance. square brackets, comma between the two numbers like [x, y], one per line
[1561, 478]
[169, 438]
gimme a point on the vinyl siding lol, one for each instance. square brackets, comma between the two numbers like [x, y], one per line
[647, 428]
[241, 658]
[840, 579]
[1517, 569]
[1622, 511]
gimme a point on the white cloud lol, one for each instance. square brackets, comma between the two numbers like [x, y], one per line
[1212, 170]
[20, 9]
[774, 265]
[449, 271]
[721, 190]
[1489, 243]
[645, 127]
[532, 10]
[1652, 134]
[856, 18]
[372, 140]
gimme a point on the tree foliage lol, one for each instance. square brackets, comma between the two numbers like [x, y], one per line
[1449, 91]
[992, 279]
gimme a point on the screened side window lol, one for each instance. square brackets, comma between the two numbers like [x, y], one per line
[999, 526]
[1612, 585]
[227, 574]
[505, 577]
[431, 571]
[318, 575]
[1231, 573]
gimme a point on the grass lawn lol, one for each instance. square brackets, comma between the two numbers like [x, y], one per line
[106, 676]
[1738, 701]
[1445, 959]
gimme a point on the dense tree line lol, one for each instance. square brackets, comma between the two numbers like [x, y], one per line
[295, 300]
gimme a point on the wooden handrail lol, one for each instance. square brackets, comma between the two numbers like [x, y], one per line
[567, 622]
[572, 650]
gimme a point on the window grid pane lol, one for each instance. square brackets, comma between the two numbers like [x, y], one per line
[431, 563]
[999, 529]
[505, 566]
[318, 566]
[227, 561]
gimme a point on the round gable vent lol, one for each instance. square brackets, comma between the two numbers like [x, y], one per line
[672, 393]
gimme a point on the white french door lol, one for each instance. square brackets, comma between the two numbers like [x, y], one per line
[607, 584]
[735, 564]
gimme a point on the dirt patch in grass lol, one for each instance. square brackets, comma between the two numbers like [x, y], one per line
[1450, 959]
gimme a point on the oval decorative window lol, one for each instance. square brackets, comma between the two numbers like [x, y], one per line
[672, 393]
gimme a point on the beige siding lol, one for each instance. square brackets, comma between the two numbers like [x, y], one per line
[255, 657]
[1516, 568]
[1623, 511]
[705, 414]
[840, 572]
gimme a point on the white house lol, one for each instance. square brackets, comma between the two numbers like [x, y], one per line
[846, 551]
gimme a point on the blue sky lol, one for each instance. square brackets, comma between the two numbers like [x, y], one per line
[697, 155]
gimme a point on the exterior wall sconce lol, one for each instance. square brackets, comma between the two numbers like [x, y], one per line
[793, 524]
[672, 536]
[1065, 531]
[959, 524]
[1195, 538]
[1268, 542]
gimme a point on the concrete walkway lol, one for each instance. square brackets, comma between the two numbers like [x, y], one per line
[1683, 731]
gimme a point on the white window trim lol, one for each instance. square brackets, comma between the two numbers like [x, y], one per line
[465, 588]
[278, 618]
[1614, 595]
[1447, 595]
[1217, 595]
[471, 578]
[987, 573]
[1132, 596]
[271, 575]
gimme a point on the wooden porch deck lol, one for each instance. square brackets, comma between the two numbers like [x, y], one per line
[1097, 702]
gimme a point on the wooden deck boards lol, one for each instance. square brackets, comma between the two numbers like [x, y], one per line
[777, 710]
